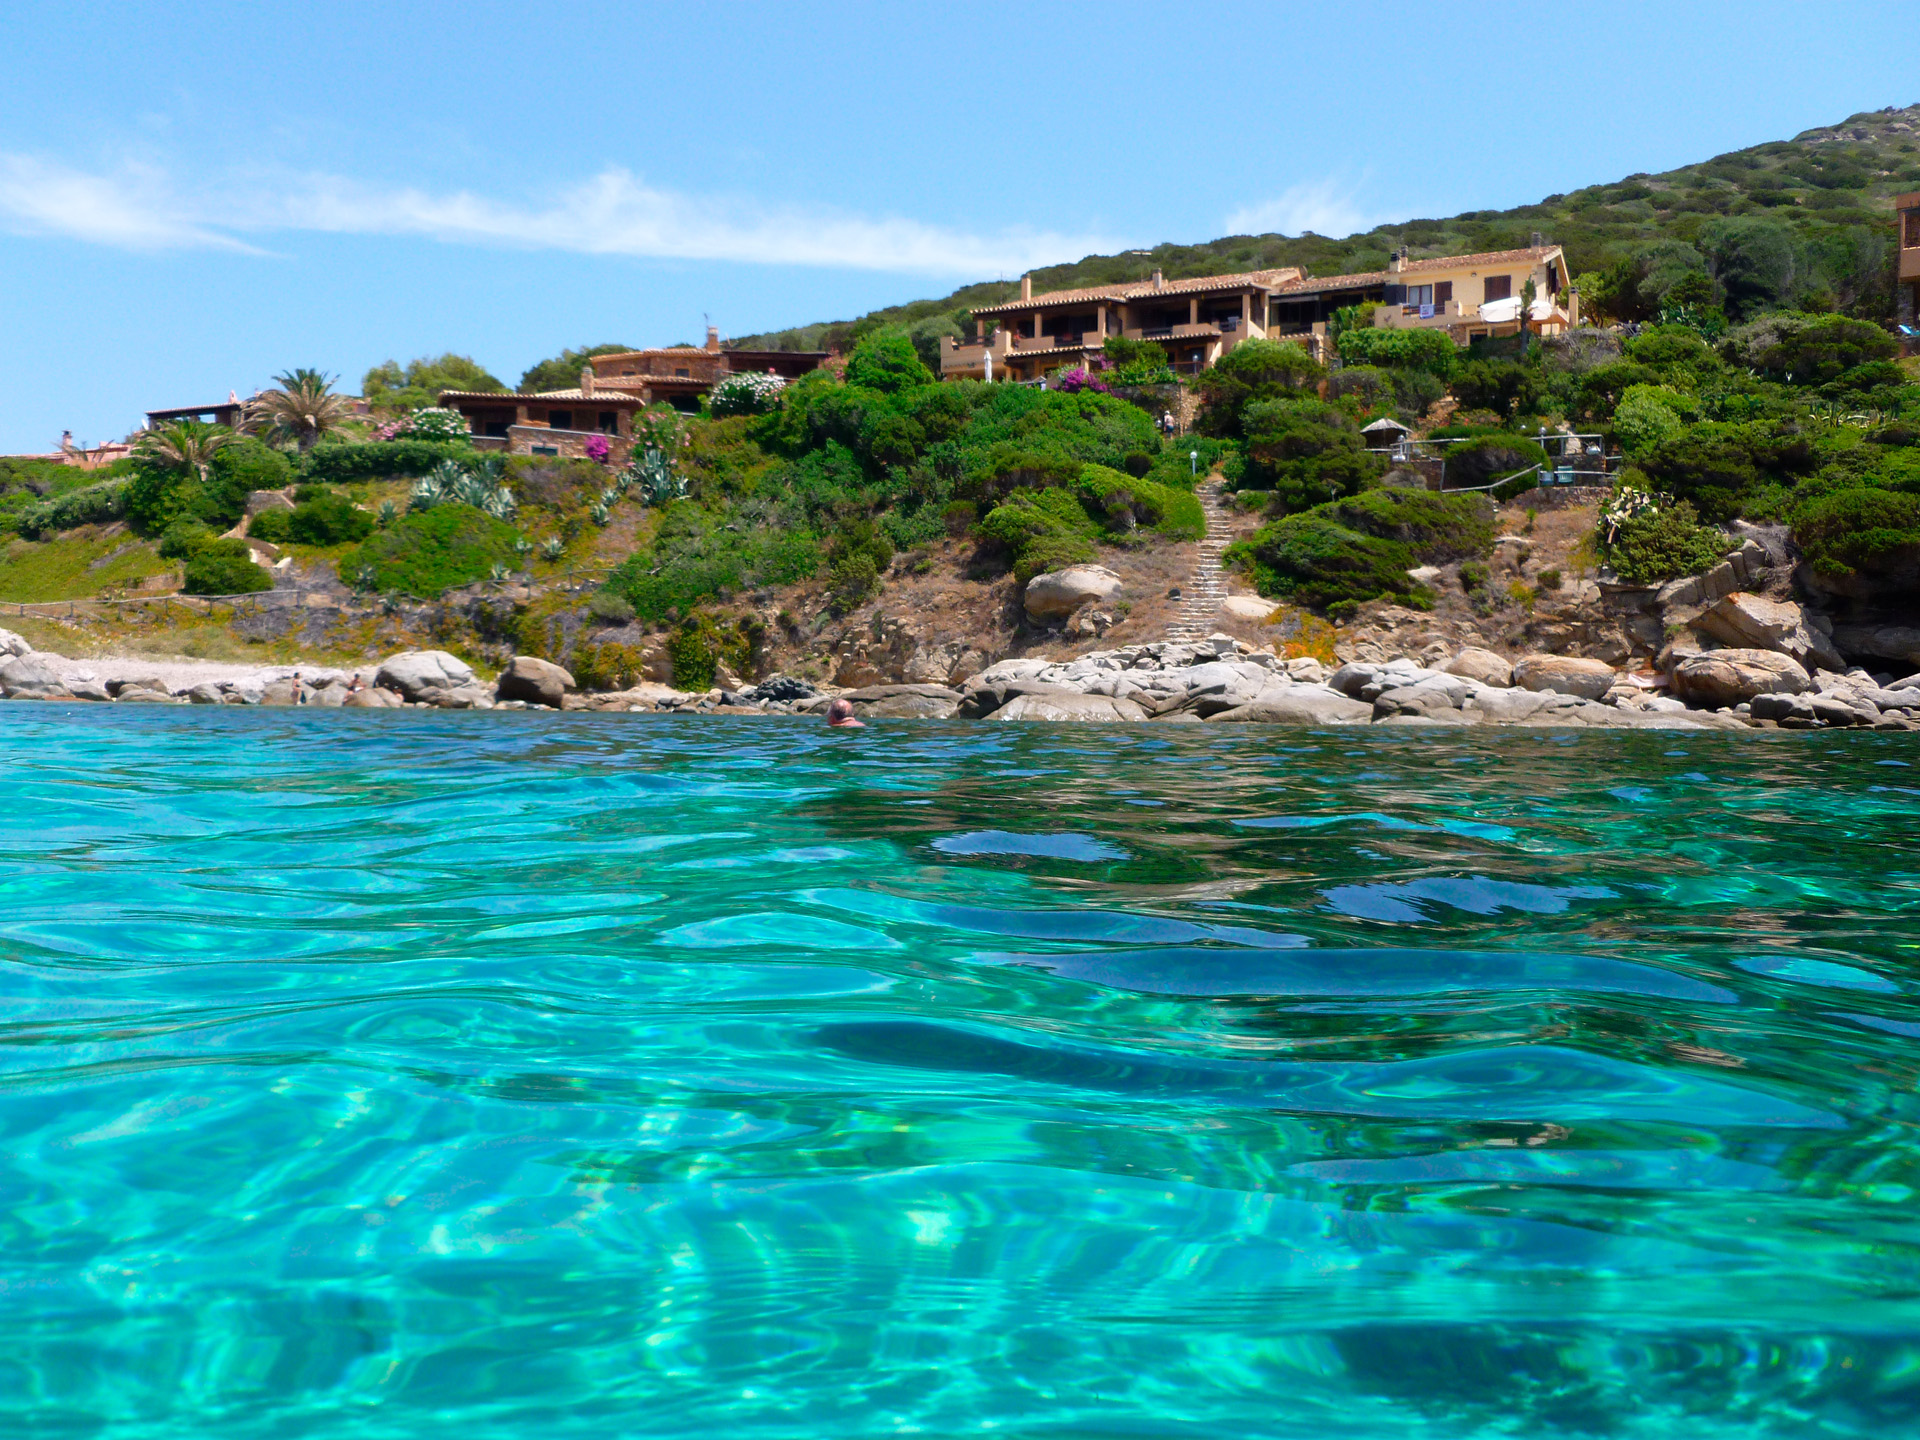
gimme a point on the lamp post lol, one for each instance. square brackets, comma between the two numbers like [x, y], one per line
[1193, 463]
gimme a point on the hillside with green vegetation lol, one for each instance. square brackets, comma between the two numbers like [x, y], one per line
[1802, 223]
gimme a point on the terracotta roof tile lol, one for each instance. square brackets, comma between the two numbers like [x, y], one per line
[1306, 286]
[1145, 289]
[1485, 257]
[509, 397]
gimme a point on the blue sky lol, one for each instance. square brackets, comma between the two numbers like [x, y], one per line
[194, 197]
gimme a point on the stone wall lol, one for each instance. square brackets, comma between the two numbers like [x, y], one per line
[570, 444]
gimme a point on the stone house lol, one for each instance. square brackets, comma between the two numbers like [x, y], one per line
[550, 422]
[1197, 321]
[681, 374]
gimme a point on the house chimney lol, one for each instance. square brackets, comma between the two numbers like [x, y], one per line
[1537, 244]
[1398, 262]
[586, 381]
[713, 337]
[1026, 287]
[1159, 280]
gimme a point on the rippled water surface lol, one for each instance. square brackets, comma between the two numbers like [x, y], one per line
[515, 1076]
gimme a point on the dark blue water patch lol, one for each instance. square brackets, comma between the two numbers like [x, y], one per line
[1186, 971]
[1419, 901]
[1052, 846]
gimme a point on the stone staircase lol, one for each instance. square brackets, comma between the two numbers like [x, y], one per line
[1200, 597]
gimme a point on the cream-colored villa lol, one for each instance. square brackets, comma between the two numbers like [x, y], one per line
[1197, 321]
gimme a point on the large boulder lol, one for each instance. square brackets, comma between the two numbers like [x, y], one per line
[205, 693]
[1063, 704]
[1056, 595]
[29, 677]
[904, 702]
[1564, 674]
[1297, 705]
[371, 698]
[12, 644]
[1248, 607]
[538, 682]
[91, 689]
[1753, 622]
[1898, 643]
[425, 676]
[1473, 663]
[1733, 677]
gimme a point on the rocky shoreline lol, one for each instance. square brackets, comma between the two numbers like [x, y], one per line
[1219, 680]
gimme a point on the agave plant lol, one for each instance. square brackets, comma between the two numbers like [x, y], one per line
[601, 514]
[364, 579]
[499, 572]
[389, 604]
[623, 481]
[480, 486]
[304, 407]
[655, 476]
[389, 512]
[522, 547]
[554, 549]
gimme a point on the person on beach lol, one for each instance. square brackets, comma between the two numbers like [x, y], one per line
[840, 715]
[354, 687]
[299, 690]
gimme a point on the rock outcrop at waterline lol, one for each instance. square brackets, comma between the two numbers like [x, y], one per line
[1220, 680]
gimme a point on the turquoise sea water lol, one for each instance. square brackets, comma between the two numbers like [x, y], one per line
[533, 1077]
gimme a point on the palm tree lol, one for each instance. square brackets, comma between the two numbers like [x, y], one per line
[304, 407]
[184, 445]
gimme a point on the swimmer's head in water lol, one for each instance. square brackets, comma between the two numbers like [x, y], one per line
[840, 712]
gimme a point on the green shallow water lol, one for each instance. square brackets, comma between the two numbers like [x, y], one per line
[516, 1076]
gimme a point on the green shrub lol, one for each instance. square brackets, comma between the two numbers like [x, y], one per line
[1310, 559]
[224, 567]
[612, 609]
[96, 505]
[430, 551]
[1664, 544]
[1484, 459]
[329, 520]
[1042, 530]
[959, 516]
[1429, 350]
[698, 646]
[887, 362]
[853, 579]
[1127, 503]
[1437, 528]
[1550, 579]
[1861, 530]
[184, 539]
[270, 526]
[1503, 386]
[1473, 575]
[380, 460]
[1646, 418]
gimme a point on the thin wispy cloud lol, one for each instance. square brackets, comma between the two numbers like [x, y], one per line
[1327, 207]
[133, 208]
[614, 213]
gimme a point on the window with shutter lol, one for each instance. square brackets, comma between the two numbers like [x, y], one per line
[1912, 240]
[1394, 295]
[1499, 287]
[1442, 292]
